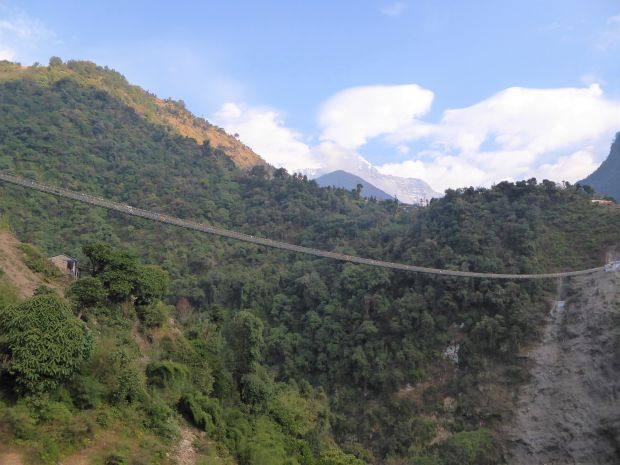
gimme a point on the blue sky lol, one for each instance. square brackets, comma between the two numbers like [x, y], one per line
[416, 88]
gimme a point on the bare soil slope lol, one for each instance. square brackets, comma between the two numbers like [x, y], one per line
[569, 413]
[15, 271]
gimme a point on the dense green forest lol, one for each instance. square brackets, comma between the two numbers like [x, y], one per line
[279, 358]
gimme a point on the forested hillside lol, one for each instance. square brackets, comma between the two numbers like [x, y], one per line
[168, 113]
[279, 358]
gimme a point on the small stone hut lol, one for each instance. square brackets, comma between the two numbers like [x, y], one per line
[67, 264]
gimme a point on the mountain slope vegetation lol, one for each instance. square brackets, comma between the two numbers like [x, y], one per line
[168, 113]
[278, 358]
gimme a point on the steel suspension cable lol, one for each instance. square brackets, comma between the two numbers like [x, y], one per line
[167, 219]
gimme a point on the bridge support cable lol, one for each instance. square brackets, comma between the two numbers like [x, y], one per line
[167, 219]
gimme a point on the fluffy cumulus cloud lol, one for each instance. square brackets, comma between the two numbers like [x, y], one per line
[265, 132]
[518, 133]
[354, 116]
[6, 54]
[546, 133]
[348, 120]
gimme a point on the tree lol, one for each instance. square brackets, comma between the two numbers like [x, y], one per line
[46, 343]
[99, 254]
[246, 342]
[55, 61]
[152, 283]
[358, 190]
[87, 292]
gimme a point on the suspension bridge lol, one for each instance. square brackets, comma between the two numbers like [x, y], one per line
[205, 228]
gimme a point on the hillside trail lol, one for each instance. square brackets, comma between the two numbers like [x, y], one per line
[184, 453]
[569, 412]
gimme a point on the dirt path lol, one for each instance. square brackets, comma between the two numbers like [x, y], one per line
[569, 413]
[185, 453]
[11, 458]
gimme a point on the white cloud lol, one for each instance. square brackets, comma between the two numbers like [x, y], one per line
[403, 149]
[570, 168]
[23, 27]
[356, 115]
[610, 37]
[592, 78]
[21, 36]
[520, 118]
[394, 9]
[444, 171]
[519, 133]
[264, 131]
[515, 134]
[6, 54]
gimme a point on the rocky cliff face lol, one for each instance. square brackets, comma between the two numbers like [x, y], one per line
[569, 413]
[605, 180]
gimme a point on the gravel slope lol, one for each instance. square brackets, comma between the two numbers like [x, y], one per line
[569, 413]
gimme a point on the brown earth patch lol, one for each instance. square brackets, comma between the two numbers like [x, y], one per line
[16, 272]
[11, 458]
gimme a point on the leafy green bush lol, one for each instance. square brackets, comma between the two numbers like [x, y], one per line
[21, 421]
[117, 458]
[168, 375]
[55, 412]
[204, 412]
[8, 294]
[337, 457]
[160, 418]
[4, 223]
[44, 290]
[267, 446]
[129, 386]
[257, 389]
[296, 414]
[46, 343]
[467, 448]
[153, 315]
[87, 292]
[87, 392]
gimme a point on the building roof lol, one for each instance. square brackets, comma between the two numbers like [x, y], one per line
[65, 256]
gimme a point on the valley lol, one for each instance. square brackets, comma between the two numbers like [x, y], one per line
[179, 347]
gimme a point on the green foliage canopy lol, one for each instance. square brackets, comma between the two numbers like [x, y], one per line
[46, 343]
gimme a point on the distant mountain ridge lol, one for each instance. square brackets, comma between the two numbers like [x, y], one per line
[606, 179]
[346, 180]
[406, 190]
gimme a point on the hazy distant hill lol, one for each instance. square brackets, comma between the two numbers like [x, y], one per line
[349, 181]
[606, 179]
